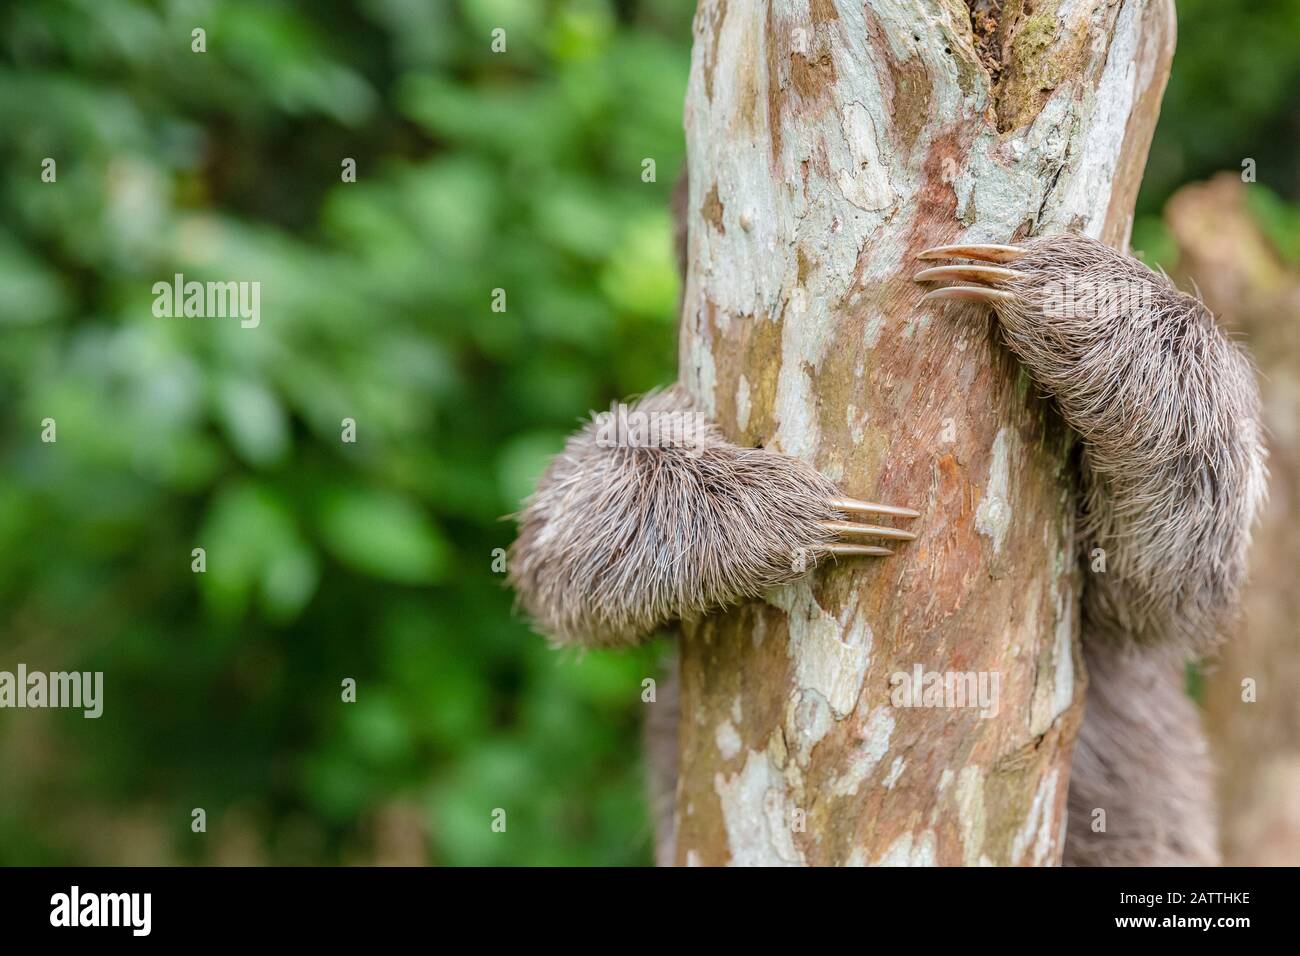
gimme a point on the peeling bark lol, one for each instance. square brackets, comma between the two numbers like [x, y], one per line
[829, 142]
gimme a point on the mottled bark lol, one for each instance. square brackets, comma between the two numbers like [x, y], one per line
[1253, 711]
[828, 143]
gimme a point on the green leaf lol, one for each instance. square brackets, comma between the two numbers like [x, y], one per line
[383, 534]
[253, 548]
[522, 461]
[254, 421]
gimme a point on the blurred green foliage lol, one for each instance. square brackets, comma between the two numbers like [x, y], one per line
[325, 560]
[1231, 98]
[476, 171]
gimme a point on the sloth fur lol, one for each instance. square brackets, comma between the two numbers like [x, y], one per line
[619, 541]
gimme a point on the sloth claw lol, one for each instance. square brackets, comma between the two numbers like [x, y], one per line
[870, 507]
[991, 275]
[973, 293]
[856, 550]
[867, 530]
[845, 549]
[988, 276]
[986, 252]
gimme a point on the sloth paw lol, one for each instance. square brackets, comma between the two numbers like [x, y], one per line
[621, 539]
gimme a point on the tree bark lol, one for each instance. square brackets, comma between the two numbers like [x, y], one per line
[1255, 727]
[829, 141]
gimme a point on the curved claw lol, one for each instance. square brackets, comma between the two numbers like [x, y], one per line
[856, 550]
[973, 293]
[992, 275]
[867, 530]
[986, 252]
[850, 528]
[870, 507]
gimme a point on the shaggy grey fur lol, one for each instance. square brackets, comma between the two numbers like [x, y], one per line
[1173, 477]
[1168, 410]
[1140, 757]
[619, 541]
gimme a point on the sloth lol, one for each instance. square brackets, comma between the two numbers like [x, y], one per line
[620, 540]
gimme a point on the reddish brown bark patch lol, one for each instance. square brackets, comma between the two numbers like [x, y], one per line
[822, 11]
[906, 83]
[711, 54]
[712, 210]
[775, 89]
[811, 76]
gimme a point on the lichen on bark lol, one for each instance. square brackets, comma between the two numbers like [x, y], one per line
[829, 143]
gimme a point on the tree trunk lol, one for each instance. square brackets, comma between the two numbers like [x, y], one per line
[1255, 728]
[829, 141]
